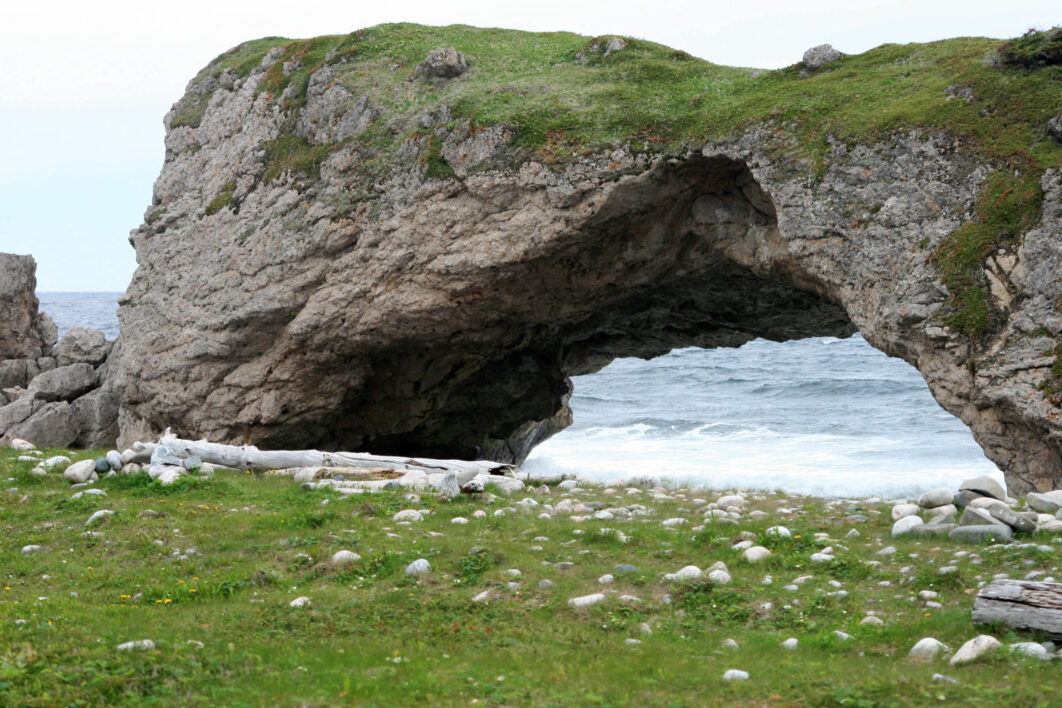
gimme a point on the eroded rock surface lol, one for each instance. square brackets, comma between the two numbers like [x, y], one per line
[440, 312]
[57, 395]
[24, 332]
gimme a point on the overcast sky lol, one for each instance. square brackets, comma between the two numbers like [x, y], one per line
[86, 84]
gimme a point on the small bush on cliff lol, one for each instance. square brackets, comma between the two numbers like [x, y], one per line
[1033, 50]
[1008, 206]
[292, 154]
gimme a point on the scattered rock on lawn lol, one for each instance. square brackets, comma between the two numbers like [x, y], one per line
[927, 649]
[447, 485]
[690, 572]
[418, 567]
[899, 511]
[790, 643]
[905, 524]
[586, 600]
[138, 645]
[975, 649]
[981, 534]
[340, 558]
[735, 675]
[1031, 649]
[301, 602]
[80, 472]
[755, 554]
[99, 516]
[408, 515]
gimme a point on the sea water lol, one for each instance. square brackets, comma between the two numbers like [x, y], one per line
[825, 416]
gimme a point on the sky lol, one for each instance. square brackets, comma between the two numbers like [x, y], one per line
[86, 84]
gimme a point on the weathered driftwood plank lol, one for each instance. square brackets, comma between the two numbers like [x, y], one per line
[250, 457]
[1022, 604]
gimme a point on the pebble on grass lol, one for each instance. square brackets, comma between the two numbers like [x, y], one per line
[736, 675]
[586, 600]
[418, 567]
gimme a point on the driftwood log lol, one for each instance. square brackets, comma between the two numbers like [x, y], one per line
[250, 457]
[1022, 604]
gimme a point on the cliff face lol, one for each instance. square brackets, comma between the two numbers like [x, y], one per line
[350, 248]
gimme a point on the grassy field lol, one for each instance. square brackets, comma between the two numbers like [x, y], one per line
[207, 569]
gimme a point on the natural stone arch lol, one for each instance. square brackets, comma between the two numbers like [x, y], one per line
[645, 275]
[445, 322]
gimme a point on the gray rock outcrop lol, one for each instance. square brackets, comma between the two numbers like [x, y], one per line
[820, 56]
[52, 396]
[439, 308]
[444, 63]
[24, 332]
[81, 345]
[1054, 126]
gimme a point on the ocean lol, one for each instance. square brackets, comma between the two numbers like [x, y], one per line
[824, 416]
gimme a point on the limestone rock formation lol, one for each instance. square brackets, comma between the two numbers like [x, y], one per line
[57, 396]
[24, 333]
[820, 56]
[427, 285]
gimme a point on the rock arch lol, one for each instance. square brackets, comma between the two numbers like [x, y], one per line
[445, 320]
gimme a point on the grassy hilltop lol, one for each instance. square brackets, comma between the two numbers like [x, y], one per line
[563, 94]
[207, 569]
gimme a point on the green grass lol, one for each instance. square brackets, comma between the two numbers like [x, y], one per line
[374, 637]
[223, 199]
[1008, 206]
[660, 99]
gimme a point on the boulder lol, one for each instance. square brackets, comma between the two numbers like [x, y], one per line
[905, 524]
[938, 496]
[1042, 503]
[1054, 127]
[16, 412]
[97, 418]
[82, 346]
[985, 486]
[23, 332]
[52, 425]
[63, 384]
[1012, 519]
[443, 63]
[976, 517]
[16, 373]
[820, 56]
[1000, 533]
[975, 649]
[80, 472]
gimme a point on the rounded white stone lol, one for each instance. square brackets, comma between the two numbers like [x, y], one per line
[754, 554]
[905, 525]
[345, 557]
[418, 567]
[586, 600]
